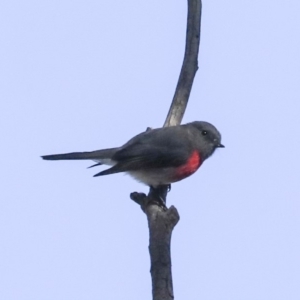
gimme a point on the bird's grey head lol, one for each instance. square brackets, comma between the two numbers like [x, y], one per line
[208, 137]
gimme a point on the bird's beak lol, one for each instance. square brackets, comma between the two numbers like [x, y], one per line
[220, 146]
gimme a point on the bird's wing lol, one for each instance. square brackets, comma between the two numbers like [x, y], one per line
[146, 158]
[154, 149]
[150, 157]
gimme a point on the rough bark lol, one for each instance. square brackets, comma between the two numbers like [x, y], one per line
[162, 220]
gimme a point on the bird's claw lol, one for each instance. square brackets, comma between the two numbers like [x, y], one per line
[161, 203]
[158, 195]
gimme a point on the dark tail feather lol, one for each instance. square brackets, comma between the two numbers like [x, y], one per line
[95, 165]
[112, 170]
[99, 154]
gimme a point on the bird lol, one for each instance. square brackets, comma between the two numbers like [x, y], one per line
[156, 157]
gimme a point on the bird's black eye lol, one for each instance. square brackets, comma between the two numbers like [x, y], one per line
[204, 132]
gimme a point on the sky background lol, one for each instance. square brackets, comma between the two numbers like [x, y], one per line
[86, 75]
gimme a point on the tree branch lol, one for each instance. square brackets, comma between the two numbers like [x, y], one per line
[189, 66]
[161, 220]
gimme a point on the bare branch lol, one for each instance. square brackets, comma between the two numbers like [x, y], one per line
[161, 220]
[189, 66]
[161, 223]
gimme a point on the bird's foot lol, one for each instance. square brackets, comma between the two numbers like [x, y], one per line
[158, 195]
[159, 201]
[144, 201]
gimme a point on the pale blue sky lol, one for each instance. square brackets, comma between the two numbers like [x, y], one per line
[85, 75]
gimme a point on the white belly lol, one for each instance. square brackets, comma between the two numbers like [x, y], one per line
[154, 177]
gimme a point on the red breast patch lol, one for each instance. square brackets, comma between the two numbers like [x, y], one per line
[190, 167]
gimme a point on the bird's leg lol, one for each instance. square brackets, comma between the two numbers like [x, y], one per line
[159, 194]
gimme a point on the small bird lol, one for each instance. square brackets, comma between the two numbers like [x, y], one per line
[159, 156]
